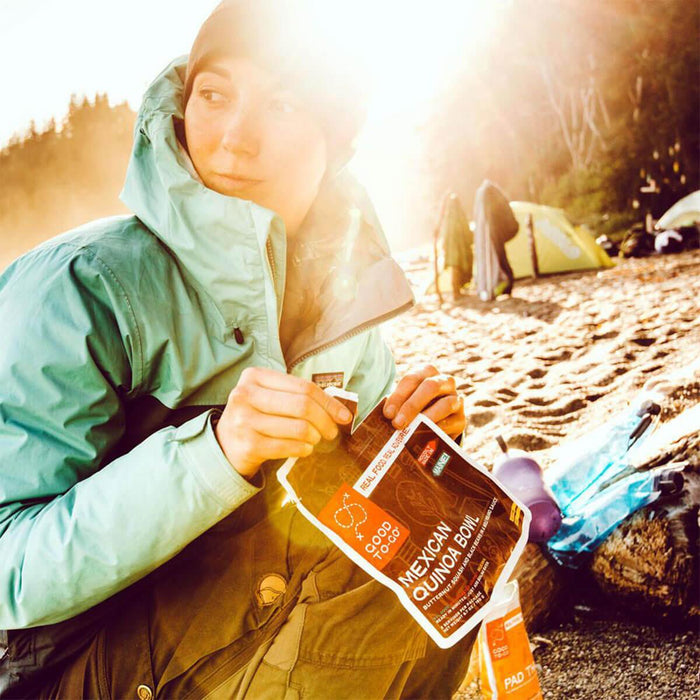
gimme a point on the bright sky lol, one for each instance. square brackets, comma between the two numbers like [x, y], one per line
[50, 49]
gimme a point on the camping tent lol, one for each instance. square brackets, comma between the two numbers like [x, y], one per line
[685, 212]
[560, 246]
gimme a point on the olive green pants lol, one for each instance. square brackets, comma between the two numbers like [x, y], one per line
[263, 606]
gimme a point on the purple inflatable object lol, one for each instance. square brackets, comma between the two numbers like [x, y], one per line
[522, 475]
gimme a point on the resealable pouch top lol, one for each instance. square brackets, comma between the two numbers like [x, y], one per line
[416, 513]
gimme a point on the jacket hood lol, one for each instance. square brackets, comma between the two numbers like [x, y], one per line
[235, 251]
[211, 234]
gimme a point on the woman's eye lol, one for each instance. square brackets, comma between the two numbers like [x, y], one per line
[212, 96]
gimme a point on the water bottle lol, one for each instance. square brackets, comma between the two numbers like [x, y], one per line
[595, 486]
[581, 467]
[523, 476]
[594, 520]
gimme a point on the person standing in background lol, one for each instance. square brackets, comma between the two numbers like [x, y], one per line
[495, 226]
[457, 242]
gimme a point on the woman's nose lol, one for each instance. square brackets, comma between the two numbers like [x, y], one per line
[242, 131]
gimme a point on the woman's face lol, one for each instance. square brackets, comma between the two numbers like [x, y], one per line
[250, 137]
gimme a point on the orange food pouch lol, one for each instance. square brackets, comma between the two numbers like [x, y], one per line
[413, 510]
[507, 668]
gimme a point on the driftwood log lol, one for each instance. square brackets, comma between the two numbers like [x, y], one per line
[541, 583]
[650, 563]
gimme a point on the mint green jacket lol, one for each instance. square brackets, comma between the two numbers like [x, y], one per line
[118, 339]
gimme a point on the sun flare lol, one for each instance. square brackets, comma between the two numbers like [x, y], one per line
[410, 52]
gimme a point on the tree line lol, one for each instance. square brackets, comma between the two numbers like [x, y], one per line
[63, 175]
[579, 105]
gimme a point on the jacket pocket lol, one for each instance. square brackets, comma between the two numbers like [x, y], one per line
[219, 600]
[347, 637]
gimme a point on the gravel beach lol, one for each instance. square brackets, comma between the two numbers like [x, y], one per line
[599, 655]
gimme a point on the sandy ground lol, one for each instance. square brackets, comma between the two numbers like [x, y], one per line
[556, 359]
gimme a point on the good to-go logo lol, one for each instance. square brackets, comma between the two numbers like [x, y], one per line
[364, 526]
[350, 515]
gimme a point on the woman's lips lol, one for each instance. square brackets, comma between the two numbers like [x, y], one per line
[238, 181]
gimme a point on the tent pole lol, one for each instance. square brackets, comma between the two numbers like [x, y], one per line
[533, 249]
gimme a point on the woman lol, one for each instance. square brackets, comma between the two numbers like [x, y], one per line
[157, 367]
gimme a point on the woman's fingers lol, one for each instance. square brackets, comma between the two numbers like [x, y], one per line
[453, 425]
[283, 405]
[404, 389]
[429, 392]
[444, 408]
[296, 429]
[271, 415]
[424, 394]
[303, 398]
[292, 405]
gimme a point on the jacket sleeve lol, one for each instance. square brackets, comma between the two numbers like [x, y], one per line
[75, 528]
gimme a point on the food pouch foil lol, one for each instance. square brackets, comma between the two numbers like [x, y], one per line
[417, 514]
[507, 668]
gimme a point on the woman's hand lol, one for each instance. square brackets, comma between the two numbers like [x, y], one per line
[271, 415]
[423, 388]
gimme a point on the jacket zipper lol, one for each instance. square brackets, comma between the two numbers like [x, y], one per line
[271, 259]
[355, 331]
[273, 273]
